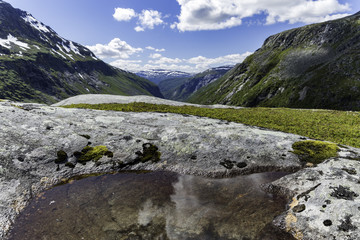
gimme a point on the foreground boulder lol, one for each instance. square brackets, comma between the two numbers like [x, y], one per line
[42, 145]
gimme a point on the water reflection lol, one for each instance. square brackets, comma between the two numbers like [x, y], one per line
[157, 205]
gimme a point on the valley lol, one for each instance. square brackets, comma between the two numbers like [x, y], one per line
[143, 142]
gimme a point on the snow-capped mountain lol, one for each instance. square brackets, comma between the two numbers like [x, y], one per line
[181, 88]
[158, 75]
[36, 64]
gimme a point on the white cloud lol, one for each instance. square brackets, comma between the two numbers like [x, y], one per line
[166, 60]
[191, 65]
[129, 65]
[150, 18]
[155, 55]
[219, 14]
[139, 29]
[115, 49]
[155, 49]
[204, 63]
[124, 14]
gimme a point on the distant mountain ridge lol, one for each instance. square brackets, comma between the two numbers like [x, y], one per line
[315, 66]
[36, 64]
[158, 75]
[181, 89]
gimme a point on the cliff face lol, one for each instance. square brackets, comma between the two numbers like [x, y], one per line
[36, 64]
[316, 66]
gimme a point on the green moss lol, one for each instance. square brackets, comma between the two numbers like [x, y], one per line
[70, 165]
[92, 154]
[315, 151]
[61, 157]
[150, 153]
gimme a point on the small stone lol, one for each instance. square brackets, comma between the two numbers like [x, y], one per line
[227, 164]
[193, 157]
[299, 208]
[327, 223]
[127, 138]
[241, 165]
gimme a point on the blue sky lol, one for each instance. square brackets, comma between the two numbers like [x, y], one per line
[186, 35]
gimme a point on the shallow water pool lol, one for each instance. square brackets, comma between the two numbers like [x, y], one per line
[154, 205]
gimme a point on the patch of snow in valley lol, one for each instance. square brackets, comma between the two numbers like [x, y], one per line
[36, 46]
[82, 77]
[11, 39]
[35, 23]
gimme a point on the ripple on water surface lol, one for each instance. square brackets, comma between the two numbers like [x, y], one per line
[155, 205]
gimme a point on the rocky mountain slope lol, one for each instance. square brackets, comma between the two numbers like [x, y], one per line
[315, 66]
[181, 88]
[158, 75]
[36, 64]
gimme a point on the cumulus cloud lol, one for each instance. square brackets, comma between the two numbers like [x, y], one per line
[147, 19]
[201, 62]
[150, 18]
[166, 60]
[219, 14]
[191, 65]
[155, 55]
[124, 14]
[155, 49]
[116, 48]
[129, 65]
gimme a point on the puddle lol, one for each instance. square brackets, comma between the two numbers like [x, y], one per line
[155, 205]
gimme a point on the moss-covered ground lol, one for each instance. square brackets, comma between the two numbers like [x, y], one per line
[341, 127]
[315, 151]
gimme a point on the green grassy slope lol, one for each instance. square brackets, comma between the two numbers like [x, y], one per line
[316, 66]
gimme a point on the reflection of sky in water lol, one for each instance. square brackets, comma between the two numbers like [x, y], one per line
[151, 206]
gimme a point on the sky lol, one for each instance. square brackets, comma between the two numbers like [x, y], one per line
[183, 35]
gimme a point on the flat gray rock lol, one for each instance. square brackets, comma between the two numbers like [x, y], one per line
[105, 98]
[32, 134]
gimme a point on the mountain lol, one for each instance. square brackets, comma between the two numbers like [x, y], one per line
[181, 88]
[315, 66]
[36, 64]
[158, 75]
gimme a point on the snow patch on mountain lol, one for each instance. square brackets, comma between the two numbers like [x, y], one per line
[11, 39]
[35, 23]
